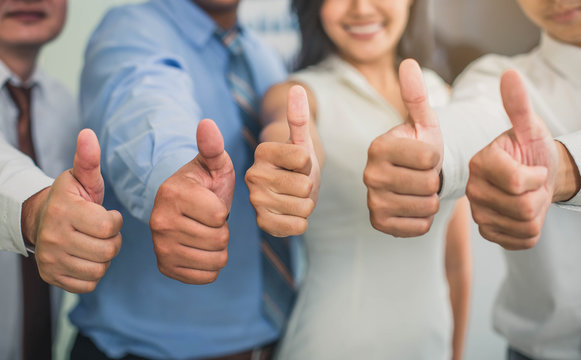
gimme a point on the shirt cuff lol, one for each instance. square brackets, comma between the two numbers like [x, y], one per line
[15, 190]
[573, 144]
[452, 186]
[164, 169]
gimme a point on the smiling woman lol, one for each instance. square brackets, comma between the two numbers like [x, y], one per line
[366, 294]
[417, 39]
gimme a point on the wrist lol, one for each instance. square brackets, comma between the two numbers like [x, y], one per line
[568, 179]
[31, 215]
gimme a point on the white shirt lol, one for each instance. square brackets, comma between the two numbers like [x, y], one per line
[54, 123]
[366, 295]
[538, 308]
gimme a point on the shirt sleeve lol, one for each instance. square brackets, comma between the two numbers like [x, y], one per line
[138, 97]
[473, 119]
[572, 142]
[19, 180]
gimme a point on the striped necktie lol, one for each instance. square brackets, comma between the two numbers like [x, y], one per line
[36, 317]
[279, 287]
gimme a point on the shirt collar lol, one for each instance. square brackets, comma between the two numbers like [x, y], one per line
[563, 58]
[194, 22]
[7, 75]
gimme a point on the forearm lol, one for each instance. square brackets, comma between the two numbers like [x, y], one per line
[32, 210]
[459, 273]
[459, 281]
[568, 179]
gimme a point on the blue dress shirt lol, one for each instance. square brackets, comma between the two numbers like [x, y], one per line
[152, 72]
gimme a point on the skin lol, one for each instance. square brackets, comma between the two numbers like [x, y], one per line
[510, 200]
[459, 273]
[188, 222]
[76, 238]
[373, 54]
[285, 177]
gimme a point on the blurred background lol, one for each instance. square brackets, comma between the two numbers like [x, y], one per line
[465, 29]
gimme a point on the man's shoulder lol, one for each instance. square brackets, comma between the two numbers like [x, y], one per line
[141, 12]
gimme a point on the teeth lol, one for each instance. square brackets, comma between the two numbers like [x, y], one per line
[364, 29]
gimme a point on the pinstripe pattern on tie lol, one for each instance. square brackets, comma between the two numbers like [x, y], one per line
[279, 288]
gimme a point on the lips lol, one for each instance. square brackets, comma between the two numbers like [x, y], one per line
[26, 15]
[566, 15]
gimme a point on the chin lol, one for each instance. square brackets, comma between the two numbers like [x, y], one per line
[218, 5]
[27, 40]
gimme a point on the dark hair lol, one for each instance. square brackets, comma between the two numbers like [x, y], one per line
[416, 42]
[315, 44]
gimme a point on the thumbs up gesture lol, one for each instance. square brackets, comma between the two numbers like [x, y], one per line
[511, 180]
[75, 237]
[285, 177]
[188, 222]
[402, 174]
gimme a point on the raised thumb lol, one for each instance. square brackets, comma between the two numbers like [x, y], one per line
[415, 95]
[526, 125]
[87, 165]
[211, 145]
[298, 116]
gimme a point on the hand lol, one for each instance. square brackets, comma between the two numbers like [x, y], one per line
[285, 178]
[403, 166]
[75, 237]
[188, 222]
[510, 187]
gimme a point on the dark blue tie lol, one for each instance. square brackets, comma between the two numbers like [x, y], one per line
[279, 288]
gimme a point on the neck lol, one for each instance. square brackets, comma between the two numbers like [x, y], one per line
[382, 76]
[20, 60]
[224, 16]
[225, 21]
